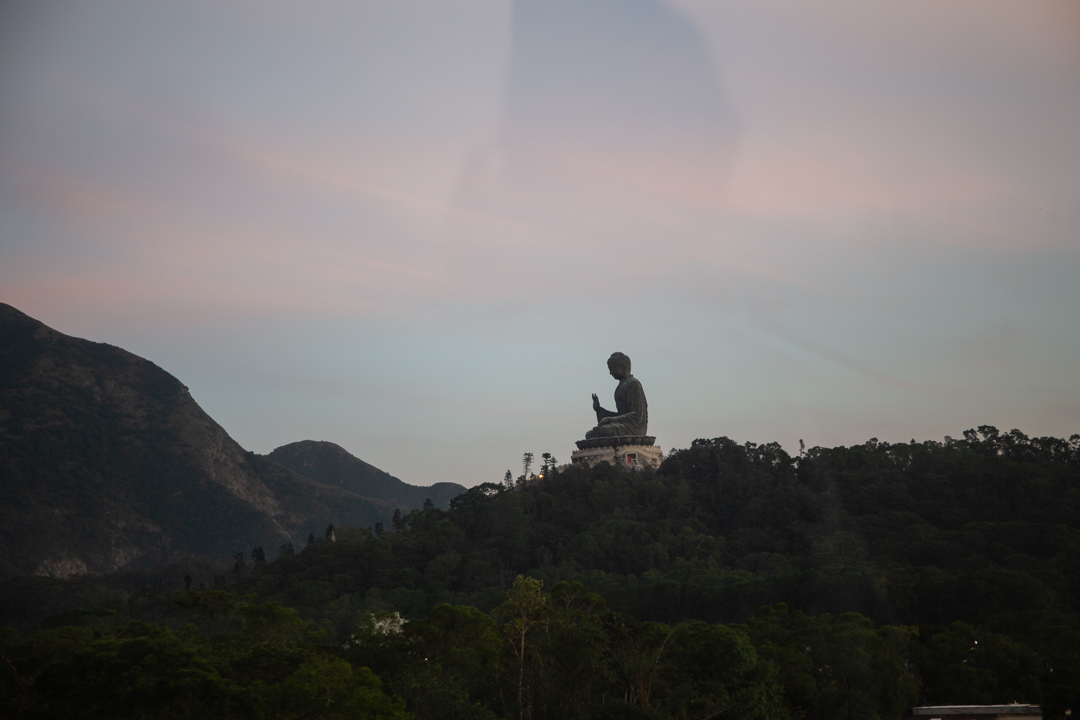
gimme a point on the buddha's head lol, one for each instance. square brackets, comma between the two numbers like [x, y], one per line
[618, 365]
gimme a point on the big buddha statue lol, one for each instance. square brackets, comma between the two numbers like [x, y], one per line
[631, 415]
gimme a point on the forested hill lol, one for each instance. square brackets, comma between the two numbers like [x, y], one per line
[333, 465]
[843, 583]
[985, 529]
[964, 553]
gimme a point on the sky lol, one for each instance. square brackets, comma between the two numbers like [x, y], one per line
[418, 229]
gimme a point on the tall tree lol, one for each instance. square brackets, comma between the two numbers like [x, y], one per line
[525, 609]
[526, 462]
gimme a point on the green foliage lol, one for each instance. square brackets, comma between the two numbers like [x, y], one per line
[889, 575]
[330, 688]
[464, 642]
[914, 534]
[975, 667]
[525, 610]
[837, 668]
[105, 666]
[564, 655]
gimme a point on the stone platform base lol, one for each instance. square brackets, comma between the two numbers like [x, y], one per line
[634, 456]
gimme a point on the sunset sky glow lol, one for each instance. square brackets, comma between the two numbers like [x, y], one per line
[418, 229]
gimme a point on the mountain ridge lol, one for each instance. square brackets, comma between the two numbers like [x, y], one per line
[107, 461]
[331, 464]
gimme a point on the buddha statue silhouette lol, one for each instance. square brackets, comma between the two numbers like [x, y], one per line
[631, 415]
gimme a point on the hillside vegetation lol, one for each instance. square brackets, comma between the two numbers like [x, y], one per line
[736, 581]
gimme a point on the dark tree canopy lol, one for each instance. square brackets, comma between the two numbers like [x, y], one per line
[736, 579]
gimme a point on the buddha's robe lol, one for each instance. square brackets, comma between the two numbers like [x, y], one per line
[631, 416]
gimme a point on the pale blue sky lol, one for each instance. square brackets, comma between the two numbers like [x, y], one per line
[418, 229]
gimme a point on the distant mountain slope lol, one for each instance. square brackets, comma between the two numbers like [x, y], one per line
[106, 460]
[332, 464]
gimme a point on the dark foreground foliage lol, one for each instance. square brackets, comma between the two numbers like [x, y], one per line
[562, 654]
[247, 660]
[843, 583]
